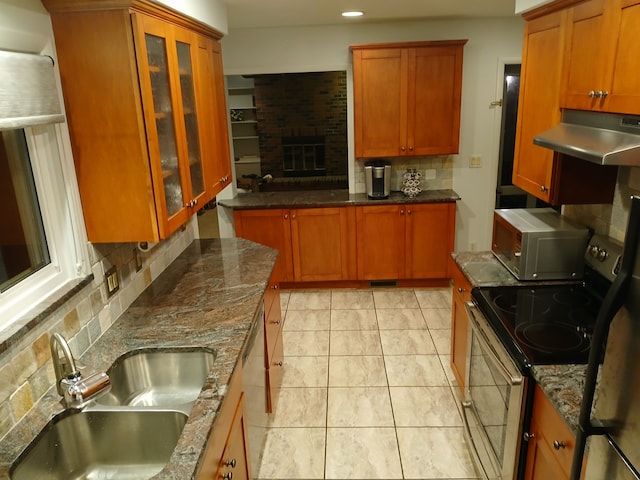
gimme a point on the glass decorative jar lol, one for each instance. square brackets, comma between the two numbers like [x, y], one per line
[411, 182]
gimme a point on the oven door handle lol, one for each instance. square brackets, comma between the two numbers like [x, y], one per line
[514, 379]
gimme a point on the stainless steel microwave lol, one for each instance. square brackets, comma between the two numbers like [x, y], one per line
[539, 244]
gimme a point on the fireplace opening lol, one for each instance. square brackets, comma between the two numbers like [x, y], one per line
[303, 156]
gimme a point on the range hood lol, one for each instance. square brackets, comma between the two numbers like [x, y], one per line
[601, 138]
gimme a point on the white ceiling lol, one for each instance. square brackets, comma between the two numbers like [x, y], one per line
[278, 13]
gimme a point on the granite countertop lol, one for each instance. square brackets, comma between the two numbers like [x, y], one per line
[208, 297]
[330, 198]
[563, 384]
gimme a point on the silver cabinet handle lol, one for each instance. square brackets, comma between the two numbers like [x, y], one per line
[528, 436]
[231, 463]
[558, 444]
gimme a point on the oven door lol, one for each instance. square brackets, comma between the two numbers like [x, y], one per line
[494, 404]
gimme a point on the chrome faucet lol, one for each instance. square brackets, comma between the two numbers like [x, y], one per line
[75, 390]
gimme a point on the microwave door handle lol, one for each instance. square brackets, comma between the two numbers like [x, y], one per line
[482, 338]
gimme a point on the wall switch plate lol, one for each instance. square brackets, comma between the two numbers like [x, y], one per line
[476, 161]
[137, 259]
[111, 279]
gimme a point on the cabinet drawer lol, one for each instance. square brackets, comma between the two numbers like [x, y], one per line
[461, 286]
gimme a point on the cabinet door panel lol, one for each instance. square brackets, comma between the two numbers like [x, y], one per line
[585, 55]
[429, 240]
[275, 373]
[165, 129]
[380, 119]
[271, 228]
[186, 50]
[380, 241]
[321, 244]
[539, 103]
[459, 326]
[434, 100]
[624, 94]
[234, 458]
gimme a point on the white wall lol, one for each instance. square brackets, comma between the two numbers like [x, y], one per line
[275, 50]
[211, 12]
[525, 5]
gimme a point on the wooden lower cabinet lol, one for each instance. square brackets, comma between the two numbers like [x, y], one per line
[459, 326]
[315, 244]
[410, 241]
[551, 444]
[227, 450]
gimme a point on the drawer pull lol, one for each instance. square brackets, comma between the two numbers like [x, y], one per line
[528, 436]
[278, 364]
[231, 463]
[460, 290]
[559, 444]
[228, 476]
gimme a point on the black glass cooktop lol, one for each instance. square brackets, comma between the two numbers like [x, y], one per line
[550, 324]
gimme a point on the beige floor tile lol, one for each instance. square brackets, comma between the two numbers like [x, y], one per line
[400, 319]
[434, 297]
[307, 320]
[305, 371]
[407, 342]
[437, 318]
[301, 407]
[284, 300]
[434, 453]
[354, 320]
[355, 342]
[356, 371]
[305, 343]
[424, 407]
[351, 299]
[359, 407]
[395, 299]
[415, 371]
[293, 453]
[442, 340]
[360, 453]
[310, 300]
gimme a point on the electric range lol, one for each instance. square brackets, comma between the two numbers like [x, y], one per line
[551, 323]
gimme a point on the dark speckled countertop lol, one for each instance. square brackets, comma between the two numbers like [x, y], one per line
[208, 297]
[563, 384]
[330, 198]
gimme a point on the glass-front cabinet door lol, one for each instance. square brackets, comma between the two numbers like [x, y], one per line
[165, 62]
[185, 53]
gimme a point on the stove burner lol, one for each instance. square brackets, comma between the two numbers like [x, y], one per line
[524, 300]
[572, 298]
[552, 338]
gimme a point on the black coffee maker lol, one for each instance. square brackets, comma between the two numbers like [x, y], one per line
[377, 178]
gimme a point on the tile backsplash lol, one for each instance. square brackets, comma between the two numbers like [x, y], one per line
[610, 219]
[437, 172]
[26, 371]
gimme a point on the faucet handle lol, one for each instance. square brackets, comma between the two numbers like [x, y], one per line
[81, 390]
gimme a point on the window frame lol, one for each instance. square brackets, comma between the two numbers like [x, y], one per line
[57, 191]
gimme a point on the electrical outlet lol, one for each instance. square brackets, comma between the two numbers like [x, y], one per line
[476, 161]
[111, 279]
[472, 246]
[137, 258]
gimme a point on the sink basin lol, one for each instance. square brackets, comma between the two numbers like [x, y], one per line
[158, 378]
[101, 444]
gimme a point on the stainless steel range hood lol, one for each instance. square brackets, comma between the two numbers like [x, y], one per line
[602, 138]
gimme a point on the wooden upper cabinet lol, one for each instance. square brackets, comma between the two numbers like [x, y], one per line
[538, 106]
[557, 179]
[407, 98]
[136, 89]
[602, 48]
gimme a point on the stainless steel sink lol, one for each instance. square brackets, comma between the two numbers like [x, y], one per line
[90, 444]
[158, 378]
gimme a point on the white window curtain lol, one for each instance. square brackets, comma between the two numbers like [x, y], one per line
[28, 91]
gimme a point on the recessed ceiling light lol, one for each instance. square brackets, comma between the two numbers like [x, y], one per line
[352, 14]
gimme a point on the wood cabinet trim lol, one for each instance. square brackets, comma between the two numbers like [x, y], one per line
[152, 8]
[429, 43]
